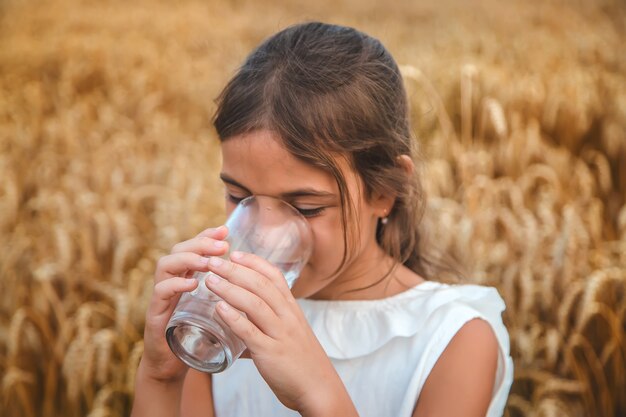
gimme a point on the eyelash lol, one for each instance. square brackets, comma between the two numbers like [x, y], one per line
[305, 212]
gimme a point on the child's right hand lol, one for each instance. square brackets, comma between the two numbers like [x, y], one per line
[171, 279]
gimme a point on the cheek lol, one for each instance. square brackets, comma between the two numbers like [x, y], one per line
[229, 206]
[328, 245]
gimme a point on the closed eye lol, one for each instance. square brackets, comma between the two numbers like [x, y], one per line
[311, 212]
[233, 199]
[305, 212]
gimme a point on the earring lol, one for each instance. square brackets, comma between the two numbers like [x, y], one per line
[384, 220]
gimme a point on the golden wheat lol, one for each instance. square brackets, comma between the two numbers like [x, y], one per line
[107, 159]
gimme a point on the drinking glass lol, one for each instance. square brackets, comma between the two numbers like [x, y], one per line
[262, 225]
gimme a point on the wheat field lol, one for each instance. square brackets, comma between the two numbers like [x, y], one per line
[108, 158]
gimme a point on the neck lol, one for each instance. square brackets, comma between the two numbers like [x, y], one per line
[374, 276]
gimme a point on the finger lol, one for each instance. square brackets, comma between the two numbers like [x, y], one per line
[202, 245]
[252, 281]
[265, 268]
[166, 294]
[215, 232]
[254, 338]
[259, 313]
[179, 264]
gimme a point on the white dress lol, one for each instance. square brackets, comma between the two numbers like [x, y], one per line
[383, 350]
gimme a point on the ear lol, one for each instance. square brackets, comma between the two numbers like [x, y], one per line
[407, 164]
[384, 202]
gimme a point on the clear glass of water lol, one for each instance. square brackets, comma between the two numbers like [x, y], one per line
[262, 225]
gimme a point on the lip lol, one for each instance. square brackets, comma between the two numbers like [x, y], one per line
[288, 265]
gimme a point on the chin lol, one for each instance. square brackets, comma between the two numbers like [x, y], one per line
[299, 288]
[304, 286]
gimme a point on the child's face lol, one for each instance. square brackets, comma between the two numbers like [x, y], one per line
[256, 163]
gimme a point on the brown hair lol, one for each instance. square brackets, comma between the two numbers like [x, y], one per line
[329, 91]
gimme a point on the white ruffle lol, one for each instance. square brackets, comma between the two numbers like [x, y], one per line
[353, 328]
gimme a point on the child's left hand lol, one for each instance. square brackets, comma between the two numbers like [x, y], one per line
[279, 339]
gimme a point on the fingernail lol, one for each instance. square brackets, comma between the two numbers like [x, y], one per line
[213, 279]
[219, 243]
[190, 280]
[215, 261]
[223, 306]
[205, 261]
[236, 255]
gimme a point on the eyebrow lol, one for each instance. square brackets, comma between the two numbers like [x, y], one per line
[300, 192]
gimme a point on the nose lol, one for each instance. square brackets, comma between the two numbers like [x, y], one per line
[276, 228]
[270, 228]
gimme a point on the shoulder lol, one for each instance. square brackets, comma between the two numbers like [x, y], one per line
[474, 346]
[450, 306]
[467, 320]
[468, 353]
[465, 371]
[475, 341]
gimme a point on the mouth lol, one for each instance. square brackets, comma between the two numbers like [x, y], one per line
[287, 266]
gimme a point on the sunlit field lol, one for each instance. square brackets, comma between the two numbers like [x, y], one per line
[108, 158]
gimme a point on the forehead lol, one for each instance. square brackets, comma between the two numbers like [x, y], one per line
[259, 161]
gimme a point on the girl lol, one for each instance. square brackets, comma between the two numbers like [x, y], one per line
[317, 115]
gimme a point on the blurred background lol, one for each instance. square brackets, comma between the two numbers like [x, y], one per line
[108, 158]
